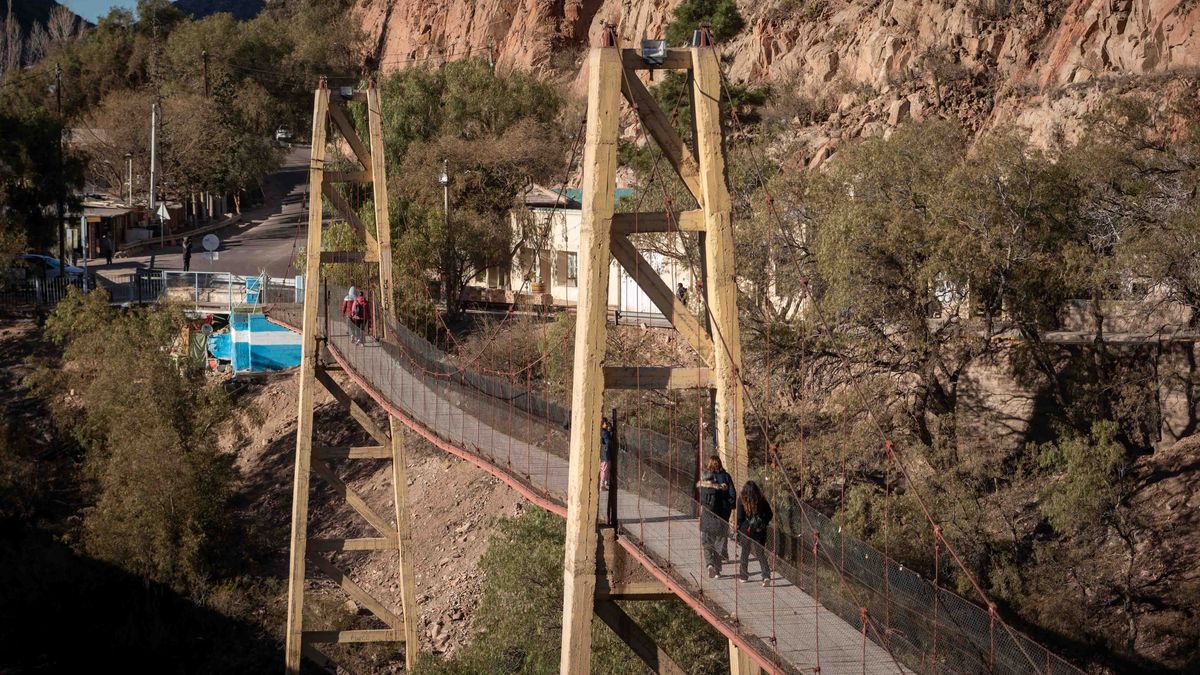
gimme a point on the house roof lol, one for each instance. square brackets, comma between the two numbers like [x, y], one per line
[574, 196]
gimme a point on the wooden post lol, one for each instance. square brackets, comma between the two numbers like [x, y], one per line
[721, 281]
[587, 396]
[316, 459]
[308, 361]
[383, 234]
[720, 285]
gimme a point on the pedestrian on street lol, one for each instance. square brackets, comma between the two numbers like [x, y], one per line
[681, 292]
[753, 518]
[187, 254]
[717, 497]
[106, 249]
[605, 444]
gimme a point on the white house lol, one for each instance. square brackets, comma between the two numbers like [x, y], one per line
[546, 270]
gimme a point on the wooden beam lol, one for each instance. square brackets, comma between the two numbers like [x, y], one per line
[664, 134]
[360, 415]
[676, 59]
[658, 221]
[352, 498]
[342, 208]
[656, 377]
[343, 257]
[663, 297]
[313, 654]
[349, 636]
[341, 545]
[308, 361]
[408, 583]
[352, 452]
[587, 394]
[356, 592]
[338, 115]
[633, 590]
[348, 176]
[638, 640]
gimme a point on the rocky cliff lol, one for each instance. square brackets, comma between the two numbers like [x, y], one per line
[851, 67]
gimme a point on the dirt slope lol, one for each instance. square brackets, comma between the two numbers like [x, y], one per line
[453, 507]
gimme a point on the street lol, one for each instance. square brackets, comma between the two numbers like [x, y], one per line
[265, 240]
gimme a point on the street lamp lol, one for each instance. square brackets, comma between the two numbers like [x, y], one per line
[444, 181]
[129, 176]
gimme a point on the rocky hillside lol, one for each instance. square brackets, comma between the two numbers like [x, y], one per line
[859, 67]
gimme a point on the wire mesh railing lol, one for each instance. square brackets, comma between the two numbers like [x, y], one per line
[831, 602]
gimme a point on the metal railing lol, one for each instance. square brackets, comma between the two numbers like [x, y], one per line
[833, 602]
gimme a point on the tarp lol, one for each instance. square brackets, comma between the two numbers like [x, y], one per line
[259, 345]
[220, 345]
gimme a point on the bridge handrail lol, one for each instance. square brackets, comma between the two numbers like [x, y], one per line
[905, 612]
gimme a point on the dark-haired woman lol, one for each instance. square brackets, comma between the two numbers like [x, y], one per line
[753, 517]
[717, 495]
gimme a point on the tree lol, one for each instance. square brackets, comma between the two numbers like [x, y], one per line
[161, 487]
[497, 134]
[721, 15]
[30, 174]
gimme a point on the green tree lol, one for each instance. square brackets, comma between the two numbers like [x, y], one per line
[30, 178]
[498, 136]
[721, 15]
[161, 486]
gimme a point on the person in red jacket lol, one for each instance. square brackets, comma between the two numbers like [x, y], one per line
[360, 313]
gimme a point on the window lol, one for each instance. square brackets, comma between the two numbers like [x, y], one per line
[572, 267]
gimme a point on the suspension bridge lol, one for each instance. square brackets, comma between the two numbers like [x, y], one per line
[833, 604]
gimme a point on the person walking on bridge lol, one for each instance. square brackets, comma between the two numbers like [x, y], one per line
[717, 497]
[187, 254]
[360, 314]
[348, 312]
[605, 444]
[753, 519]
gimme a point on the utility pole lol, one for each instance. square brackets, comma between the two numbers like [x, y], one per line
[62, 178]
[204, 59]
[154, 165]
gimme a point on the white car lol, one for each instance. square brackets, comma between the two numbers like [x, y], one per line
[37, 263]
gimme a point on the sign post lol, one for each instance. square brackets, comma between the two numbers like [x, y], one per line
[164, 217]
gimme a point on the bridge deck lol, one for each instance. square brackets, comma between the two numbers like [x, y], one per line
[784, 624]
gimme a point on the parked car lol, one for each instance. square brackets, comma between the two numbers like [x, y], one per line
[36, 264]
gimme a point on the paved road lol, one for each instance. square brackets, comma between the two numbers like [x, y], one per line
[266, 239]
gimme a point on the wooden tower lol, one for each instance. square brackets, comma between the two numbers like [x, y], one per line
[611, 74]
[314, 372]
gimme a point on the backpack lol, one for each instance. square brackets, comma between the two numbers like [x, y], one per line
[356, 310]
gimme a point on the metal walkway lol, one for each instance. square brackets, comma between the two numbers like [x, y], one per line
[511, 433]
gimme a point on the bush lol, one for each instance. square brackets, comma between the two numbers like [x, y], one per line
[161, 488]
[519, 618]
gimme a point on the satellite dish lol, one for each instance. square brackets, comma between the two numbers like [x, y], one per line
[210, 242]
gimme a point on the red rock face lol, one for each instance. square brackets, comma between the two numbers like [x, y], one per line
[867, 65]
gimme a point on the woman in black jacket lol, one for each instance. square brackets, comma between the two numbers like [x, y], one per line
[753, 518]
